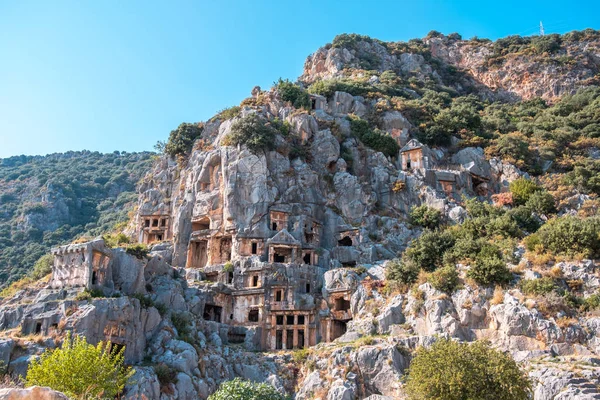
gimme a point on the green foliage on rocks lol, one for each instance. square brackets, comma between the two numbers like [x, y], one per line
[253, 132]
[537, 287]
[42, 267]
[238, 389]
[567, 235]
[182, 139]
[402, 271]
[375, 139]
[444, 279]
[293, 93]
[81, 370]
[449, 370]
[427, 251]
[522, 189]
[426, 217]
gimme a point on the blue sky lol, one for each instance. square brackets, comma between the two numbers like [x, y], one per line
[119, 75]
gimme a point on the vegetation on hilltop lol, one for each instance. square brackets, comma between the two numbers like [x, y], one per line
[50, 200]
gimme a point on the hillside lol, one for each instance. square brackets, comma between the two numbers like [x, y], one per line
[53, 199]
[323, 235]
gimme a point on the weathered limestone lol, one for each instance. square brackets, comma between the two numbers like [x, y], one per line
[84, 265]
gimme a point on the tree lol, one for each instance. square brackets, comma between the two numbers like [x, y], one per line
[522, 189]
[426, 217]
[293, 93]
[80, 369]
[238, 389]
[541, 202]
[181, 139]
[449, 370]
[253, 132]
[427, 251]
[402, 271]
[43, 266]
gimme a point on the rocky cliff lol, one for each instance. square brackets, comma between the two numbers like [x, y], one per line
[318, 234]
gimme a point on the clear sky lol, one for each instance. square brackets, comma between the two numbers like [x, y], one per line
[119, 75]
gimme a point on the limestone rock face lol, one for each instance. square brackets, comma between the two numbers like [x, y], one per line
[31, 393]
[519, 76]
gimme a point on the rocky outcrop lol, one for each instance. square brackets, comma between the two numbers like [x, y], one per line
[522, 75]
[31, 393]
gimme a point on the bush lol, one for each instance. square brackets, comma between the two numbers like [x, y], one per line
[87, 295]
[404, 272]
[444, 279]
[42, 267]
[138, 250]
[229, 113]
[546, 44]
[426, 217]
[375, 139]
[541, 202]
[525, 219]
[165, 374]
[449, 370]
[145, 301]
[293, 93]
[489, 270]
[181, 139]
[522, 189]
[80, 369]
[253, 132]
[568, 235]
[427, 251]
[181, 321]
[537, 287]
[238, 389]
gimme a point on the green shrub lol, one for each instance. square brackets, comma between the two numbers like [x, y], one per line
[115, 240]
[427, 251]
[293, 93]
[402, 271]
[42, 267]
[449, 370]
[541, 202]
[426, 217]
[181, 139]
[182, 322]
[444, 279]
[145, 301]
[522, 189]
[229, 113]
[238, 389]
[228, 267]
[568, 235]
[165, 374]
[253, 132]
[80, 370]
[537, 287]
[489, 270]
[591, 303]
[375, 139]
[524, 218]
[138, 250]
[88, 294]
[546, 44]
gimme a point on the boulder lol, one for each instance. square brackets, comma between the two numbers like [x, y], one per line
[31, 393]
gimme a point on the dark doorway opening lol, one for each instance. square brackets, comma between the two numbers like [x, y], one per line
[346, 241]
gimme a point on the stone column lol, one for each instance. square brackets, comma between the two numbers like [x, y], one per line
[295, 340]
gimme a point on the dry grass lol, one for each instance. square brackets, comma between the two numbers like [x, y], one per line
[498, 296]
[555, 272]
[539, 259]
[467, 304]
[565, 322]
